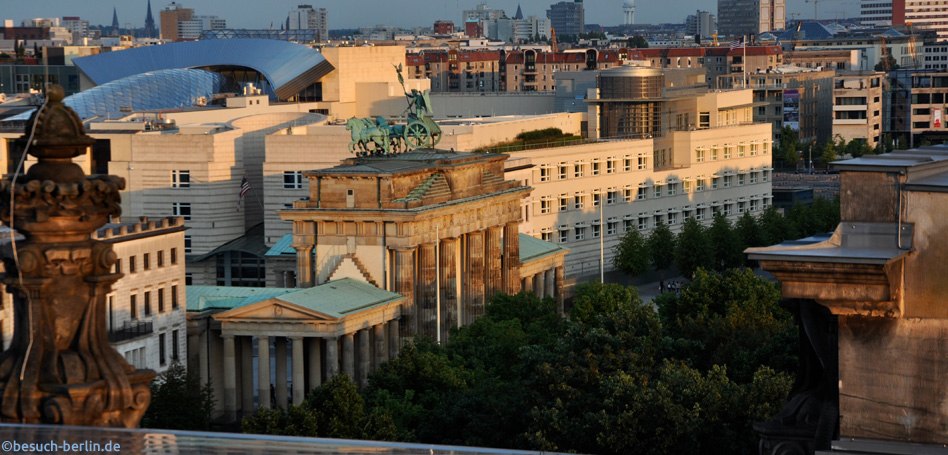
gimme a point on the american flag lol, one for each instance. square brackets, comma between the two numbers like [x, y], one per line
[737, 44]
[244, 188]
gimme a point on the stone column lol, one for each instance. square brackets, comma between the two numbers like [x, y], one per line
[560, 275]
[427, 291]
[280, 385]
[348, 355]
[332, 357]
[474, 279]
[304, 239]
[365, 357]
[393, 339]
[550, 281]
[246, 375]
[493, 275]
[512, 257]
[405, 285]
[263, 371]
[315, 372]
[538, 284]
[299, 388]
[528, 283]
[230, 378]
[203, 363]
[381, 354]
[449, 277]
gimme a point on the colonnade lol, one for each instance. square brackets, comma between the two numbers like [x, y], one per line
[300, 363]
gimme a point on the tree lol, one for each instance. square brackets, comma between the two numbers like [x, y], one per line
[887, 62]
[293, 421]
[788, 149]
[179, 402]
[748, 231]
[339, 408]
[830, 151]
[661, 246]
[631, 254]
[639, 42]
[728, 250]
[692, 249]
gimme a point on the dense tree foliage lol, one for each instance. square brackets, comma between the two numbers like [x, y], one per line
[721, 246]
[617, 376]
[179, 401]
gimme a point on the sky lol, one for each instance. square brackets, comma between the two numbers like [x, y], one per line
[361, 13]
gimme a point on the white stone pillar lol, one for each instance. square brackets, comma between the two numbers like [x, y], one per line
[538, 285]
[549, 281]
[230, 378]
[315, 372]
[348, 355]
[393, 339]
[280, 358]
[332, 357]
[299, 388]
[381, 354]
[263, 371]
[365, 358]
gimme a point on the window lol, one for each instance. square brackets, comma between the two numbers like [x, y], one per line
[672, 189]
[161, 299]
[182, 209]
[699, 155]
[187, 243]
[147, 303]
[672, 218]
[741, 150]
[146, 261]
[727, 209]
[704, 120]
[643, 223]
[564, 236]
[597, 229]
[174, 297]
[578, 170]
[627, 164]
[715, 183]
[562, 171]
[597, 199]
[753, 178]
[292, 180]
[545, 205]
[610, 166]
[544, 174]
[161, 349]
[564, 203]
[740, 179]
[133, 306]
[658, 190]
[580, 233]
[687, 186]
[727, 152]
[643, 163]
[699, 185]
[546, 236]
[174, 256]
[174, 345]
[132, 263]
[188, 279]
[595, 168]
[699, 214]
[161, 258]
[627, 225]
[181, 178]
[612, 197]
[754, 148]
[714, 153]
[118, 266]
[642, 194]
[727, 181]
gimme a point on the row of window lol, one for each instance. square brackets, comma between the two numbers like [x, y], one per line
[138, 357]
[596, 167]
[147, 302]
[644, 221]
[578, 200]
[146, 260]
[181, 178]
[726, 152]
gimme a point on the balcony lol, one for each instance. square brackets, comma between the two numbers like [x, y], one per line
[131, 330]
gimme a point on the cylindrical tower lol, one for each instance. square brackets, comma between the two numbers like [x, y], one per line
[629, 9]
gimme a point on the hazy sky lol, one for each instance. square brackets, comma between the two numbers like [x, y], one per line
[355, 13]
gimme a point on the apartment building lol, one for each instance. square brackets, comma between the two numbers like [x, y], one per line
[918, 104]
[857, 106]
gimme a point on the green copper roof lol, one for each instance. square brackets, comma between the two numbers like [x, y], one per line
[533, 248]
[282, 246]
[335, 299]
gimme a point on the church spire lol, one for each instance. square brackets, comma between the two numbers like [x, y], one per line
[519, 15]
[149, 23]
[115, 22]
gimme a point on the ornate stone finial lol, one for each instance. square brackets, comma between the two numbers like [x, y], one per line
[60, 367]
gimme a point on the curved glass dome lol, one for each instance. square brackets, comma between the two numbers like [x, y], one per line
[152, 91]
[163, 89]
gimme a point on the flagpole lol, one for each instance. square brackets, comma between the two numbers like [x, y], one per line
[438, 282]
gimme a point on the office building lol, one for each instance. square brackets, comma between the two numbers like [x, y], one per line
[750, 17]
[305, 17]
[857, 106]
[170, 17]
[702, 24]
[567, 18]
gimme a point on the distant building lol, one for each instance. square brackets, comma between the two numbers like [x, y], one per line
[150, 29]
[879, 12]
[170, 17]
[482, 13]
[567, 18]
[305, 17]
[628, 12]
[443, 27]
[917, 106]
[701, 24]
[750, 17]
[79, 28]
[857, 106]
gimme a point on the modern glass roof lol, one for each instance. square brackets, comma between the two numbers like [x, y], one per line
[156, 90]
[288, 67]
